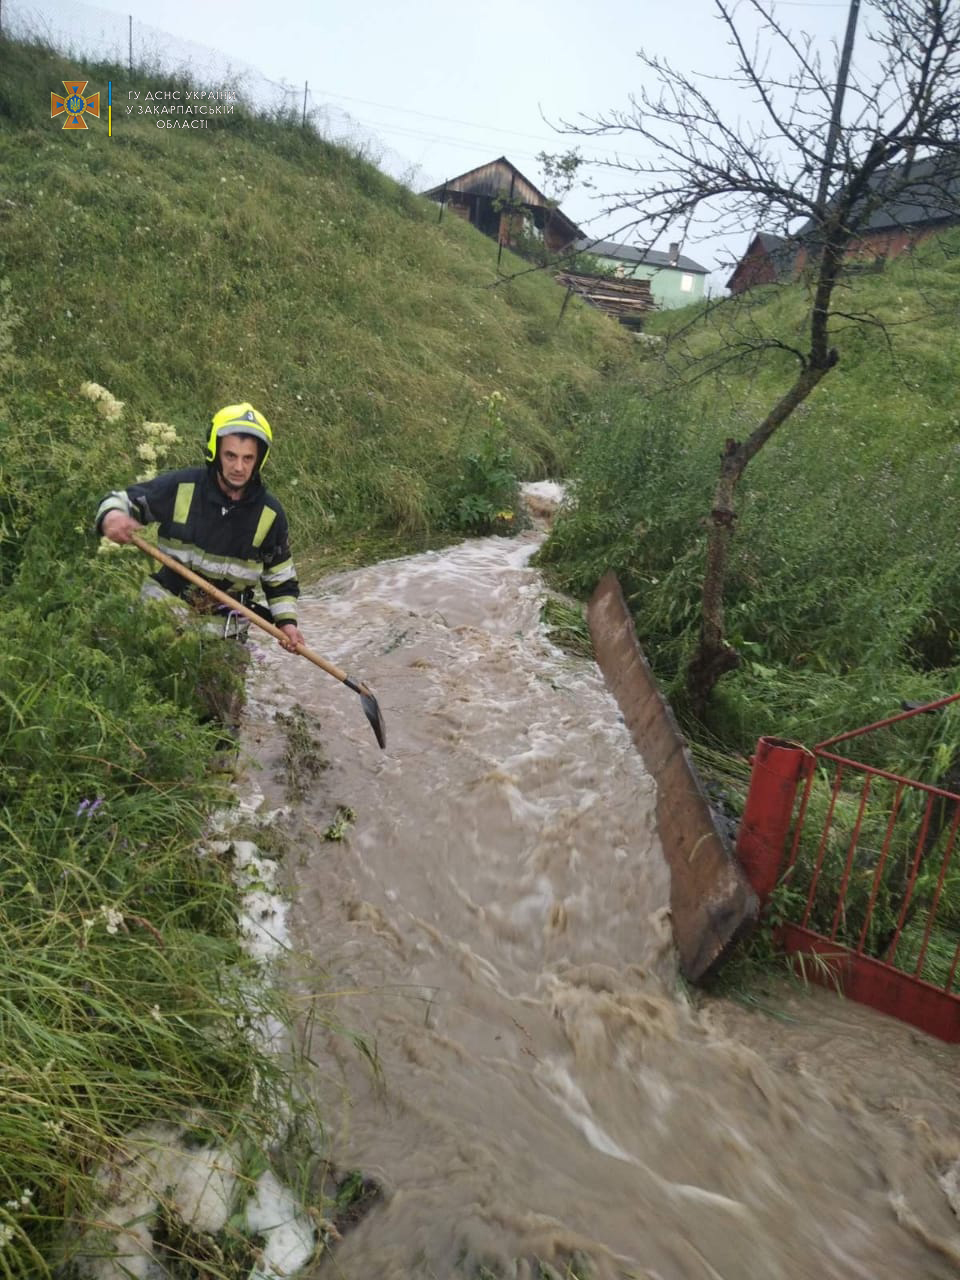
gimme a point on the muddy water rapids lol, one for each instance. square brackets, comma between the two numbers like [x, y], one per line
[494, 923]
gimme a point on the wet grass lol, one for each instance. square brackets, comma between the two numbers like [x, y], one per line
[566, 625]
[304, 758]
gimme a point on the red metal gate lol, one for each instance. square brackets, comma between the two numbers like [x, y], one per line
[854, 875]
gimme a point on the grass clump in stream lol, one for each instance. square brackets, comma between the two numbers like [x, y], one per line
[566, 625]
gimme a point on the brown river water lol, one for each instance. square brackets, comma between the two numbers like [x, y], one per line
[494, 924]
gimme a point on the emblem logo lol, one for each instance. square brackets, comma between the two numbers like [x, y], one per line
[74, 104]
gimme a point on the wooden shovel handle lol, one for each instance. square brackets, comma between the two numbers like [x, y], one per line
[251, 616]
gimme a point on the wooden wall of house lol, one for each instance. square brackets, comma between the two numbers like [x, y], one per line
[887, 242]
[556, 234]
[756, 268]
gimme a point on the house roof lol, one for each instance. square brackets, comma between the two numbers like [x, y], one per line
[768, 242]
[500, 178]
[628, 253]
[779, 249]
[486, 179]
[921, 191]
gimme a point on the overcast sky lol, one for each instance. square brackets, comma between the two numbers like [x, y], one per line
[445, 86]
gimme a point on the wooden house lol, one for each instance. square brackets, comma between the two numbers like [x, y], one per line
[500, 201]
[768, 258]
[910, 202]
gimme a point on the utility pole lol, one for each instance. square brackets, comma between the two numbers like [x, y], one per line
[306, 86]
[130, 45]
[834, 131]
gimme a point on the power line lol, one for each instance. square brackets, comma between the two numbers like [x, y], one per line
[469, 124]
[426, 115]
[461, 143]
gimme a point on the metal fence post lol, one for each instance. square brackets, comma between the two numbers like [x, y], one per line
[778, 767]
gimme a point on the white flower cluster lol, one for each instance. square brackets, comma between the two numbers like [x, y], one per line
[8, 1229]
[159, 437]
[111, 917]
[152, 450]
[107, 406]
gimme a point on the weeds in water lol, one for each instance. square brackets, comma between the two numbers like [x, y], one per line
[566, 626]
[303, 756]
[485, 496]
[343, 818]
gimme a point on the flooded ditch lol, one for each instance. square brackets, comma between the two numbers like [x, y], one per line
[484, 906]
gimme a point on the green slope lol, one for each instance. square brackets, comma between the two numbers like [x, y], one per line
[183, 270]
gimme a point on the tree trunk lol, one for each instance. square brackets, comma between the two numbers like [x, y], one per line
[713, 656]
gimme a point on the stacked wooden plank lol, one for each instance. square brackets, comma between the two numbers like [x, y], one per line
[627, 300]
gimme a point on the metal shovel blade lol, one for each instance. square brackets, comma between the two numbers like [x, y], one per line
[371, 710]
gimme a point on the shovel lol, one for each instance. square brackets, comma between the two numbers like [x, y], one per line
[367, 700]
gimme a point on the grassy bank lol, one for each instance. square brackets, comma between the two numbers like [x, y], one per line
[145, 280]
[842, 596]
[843, 590]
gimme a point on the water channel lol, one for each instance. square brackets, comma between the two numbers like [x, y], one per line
[494, 924]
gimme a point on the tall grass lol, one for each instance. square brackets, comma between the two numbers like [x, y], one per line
[124, 990]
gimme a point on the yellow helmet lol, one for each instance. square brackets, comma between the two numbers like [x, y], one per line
[239, 420]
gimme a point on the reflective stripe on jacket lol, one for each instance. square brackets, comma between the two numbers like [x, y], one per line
[236, 545]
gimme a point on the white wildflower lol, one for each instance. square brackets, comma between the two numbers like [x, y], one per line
[6, 1234]
[155, 1013]
[112, 917]
[107, 544]
[147, 451]
[110, 409]
[94, 391]
[107, 406]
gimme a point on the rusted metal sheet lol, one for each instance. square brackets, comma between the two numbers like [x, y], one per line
[710, 900]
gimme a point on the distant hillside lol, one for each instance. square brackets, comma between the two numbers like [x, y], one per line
[186, 269]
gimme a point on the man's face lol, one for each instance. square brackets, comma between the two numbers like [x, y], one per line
[238, 457]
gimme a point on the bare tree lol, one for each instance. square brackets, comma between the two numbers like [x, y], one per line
[789, 172]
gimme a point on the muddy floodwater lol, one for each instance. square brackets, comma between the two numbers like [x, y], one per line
[494, 924]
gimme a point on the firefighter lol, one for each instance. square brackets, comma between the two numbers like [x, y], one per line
[219, 520]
